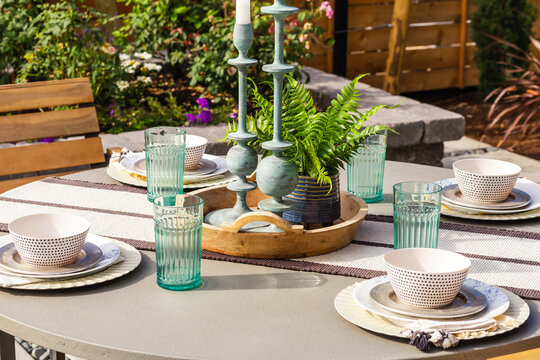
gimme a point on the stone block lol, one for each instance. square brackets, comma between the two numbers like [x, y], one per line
[426, 154]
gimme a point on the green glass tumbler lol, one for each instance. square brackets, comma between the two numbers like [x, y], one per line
[178, 234]
[365, 170]
[165, 149]
[417, 211]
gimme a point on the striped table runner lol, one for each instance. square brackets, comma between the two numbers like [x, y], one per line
[510, 259]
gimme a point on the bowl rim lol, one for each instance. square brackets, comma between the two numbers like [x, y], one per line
[456, 164]
[440, 251]
[85, 222]
[197, 141]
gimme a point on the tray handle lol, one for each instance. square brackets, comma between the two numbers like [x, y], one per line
[265, 216]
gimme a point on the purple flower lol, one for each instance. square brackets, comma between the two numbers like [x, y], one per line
[192, 119]
[205, 117]
[111, 112]
[233, 116]
[48, 140]
[203, 103]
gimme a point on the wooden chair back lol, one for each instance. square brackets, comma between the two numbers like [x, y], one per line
[35, 118]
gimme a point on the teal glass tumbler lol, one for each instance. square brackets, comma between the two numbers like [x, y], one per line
[365, 170]
[165, 149]
[417, 211]
[178, 235]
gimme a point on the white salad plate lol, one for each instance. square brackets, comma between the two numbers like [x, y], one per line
[107, 247]
[497, 301]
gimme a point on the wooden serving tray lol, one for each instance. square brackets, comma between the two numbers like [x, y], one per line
[293, 242]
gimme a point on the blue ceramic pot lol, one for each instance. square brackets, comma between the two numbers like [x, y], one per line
[314, 203]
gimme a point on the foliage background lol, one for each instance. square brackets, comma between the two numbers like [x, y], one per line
[166, 55]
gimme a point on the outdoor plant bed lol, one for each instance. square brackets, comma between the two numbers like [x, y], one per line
[293, 242]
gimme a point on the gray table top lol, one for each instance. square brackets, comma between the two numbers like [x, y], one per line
[241, 311]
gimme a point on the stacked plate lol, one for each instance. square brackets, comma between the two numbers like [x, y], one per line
[523, 202]
[212, 170]
[474, 313]
[93, 265]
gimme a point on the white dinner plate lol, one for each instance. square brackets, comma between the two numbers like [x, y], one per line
[109, 249]
[467, 302]
[347, 307]
[528, 212]
[497, 301]
[129, 164]
[115, 171]
[11, 260]
[516, 200]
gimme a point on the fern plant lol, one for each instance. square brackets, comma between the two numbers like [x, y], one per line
[323, 142]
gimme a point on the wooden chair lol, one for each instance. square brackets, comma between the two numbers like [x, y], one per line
[34, 118]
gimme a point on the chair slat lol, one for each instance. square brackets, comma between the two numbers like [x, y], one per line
[16, 97]
[13, 183]
[48, 124]
[22, 159]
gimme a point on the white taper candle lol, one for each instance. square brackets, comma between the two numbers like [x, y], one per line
[243, 12]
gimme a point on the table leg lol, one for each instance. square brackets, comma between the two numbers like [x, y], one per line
[7, 346]
[55, 355]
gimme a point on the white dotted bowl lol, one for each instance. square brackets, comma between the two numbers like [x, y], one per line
[486, 180]
[424, 277]
[195, 146]
[49, 240]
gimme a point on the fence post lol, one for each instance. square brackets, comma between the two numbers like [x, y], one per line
[396, 45]
[341, 10]
[463, 43]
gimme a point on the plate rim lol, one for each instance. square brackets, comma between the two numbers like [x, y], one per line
[463, 291]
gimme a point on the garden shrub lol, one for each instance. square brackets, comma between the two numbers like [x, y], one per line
[166, 66]
[15, 20]
[197, 37]
[509, 20]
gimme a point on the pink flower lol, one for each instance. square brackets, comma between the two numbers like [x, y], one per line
[325, 5]
[329, 13]
[327, 8]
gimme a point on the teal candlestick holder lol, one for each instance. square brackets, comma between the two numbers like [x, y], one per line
[241, 159]
[276, 176]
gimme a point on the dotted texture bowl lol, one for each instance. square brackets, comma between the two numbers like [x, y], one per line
[426, 278]
[486, 180]
[49, 240]
[195, 146]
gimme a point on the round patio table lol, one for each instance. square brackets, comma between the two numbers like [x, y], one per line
[240, 312]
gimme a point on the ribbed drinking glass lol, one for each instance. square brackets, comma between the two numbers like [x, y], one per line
[365, 171]
[178, 234]
[417, 210]
[165, 150]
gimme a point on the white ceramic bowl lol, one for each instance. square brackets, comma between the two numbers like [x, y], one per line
[195, 146]
[424, 277]
[486, 180]
[49, 240]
